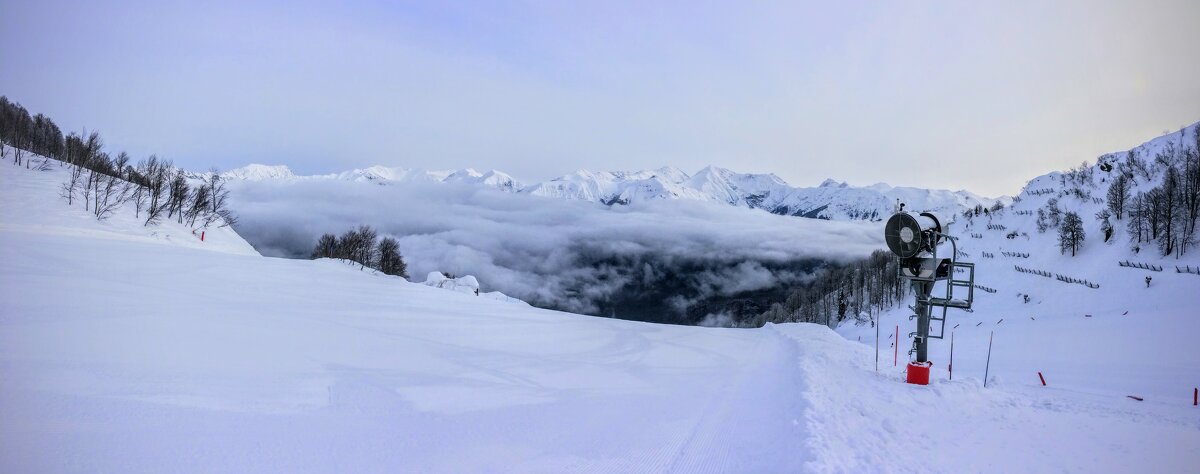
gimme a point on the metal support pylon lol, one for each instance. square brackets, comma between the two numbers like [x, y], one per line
[922, 289]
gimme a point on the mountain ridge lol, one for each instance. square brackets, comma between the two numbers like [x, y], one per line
[765, 191]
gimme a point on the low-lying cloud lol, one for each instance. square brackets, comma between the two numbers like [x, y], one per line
[571, 255]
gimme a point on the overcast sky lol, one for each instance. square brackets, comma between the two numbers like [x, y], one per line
[974, 95]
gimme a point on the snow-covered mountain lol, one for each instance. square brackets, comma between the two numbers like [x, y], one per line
[260, 173]
[834, 200]
[491, 178]
[831, 200]
[380, 175]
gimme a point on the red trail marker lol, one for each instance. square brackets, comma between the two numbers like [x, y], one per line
[1043, 379]
[896, 348]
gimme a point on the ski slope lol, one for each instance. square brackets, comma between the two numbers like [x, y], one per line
[126, 349]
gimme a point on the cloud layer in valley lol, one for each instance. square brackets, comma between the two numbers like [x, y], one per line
[570, 255]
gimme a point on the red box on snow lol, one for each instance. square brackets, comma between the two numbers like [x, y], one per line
[918, 372]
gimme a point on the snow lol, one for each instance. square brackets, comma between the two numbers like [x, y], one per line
[492, 178]
[830, 200]
[463, 284]
[32, 207]
[256, 172]
[863, 421]
[378, 175]
[1095, 347]
[125, 348]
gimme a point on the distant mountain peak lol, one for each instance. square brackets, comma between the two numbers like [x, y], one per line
[257, 172]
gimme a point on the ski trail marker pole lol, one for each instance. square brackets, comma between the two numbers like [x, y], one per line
[896, 348]
[1042, 378]
[988, 364]
[876, 346]
[951, 367]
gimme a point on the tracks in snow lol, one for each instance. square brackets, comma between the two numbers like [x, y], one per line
[755, 421]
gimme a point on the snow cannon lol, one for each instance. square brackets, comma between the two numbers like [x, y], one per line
[915, 238]
[908, 235]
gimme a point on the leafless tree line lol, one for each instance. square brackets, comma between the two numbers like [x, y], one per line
[25, 134]
[103, 183]
[363, 246]
[1166, 215]
[863, 287]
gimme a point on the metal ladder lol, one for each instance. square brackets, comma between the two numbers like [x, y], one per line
[948, 301]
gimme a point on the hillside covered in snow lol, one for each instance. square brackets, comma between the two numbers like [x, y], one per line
[126, 348]
[1066, 314]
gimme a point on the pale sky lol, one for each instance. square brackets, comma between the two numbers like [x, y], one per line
[960, 95]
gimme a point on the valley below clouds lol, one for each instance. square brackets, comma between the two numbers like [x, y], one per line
[672, 261]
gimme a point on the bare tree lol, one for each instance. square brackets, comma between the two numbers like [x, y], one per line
[112, 192]
[1152, 209]
[1189, 190]
[327, 247]
[73, 184]
[197, 204]
[1118, 194]
[154, 172]
[367, 255]
[390, 260]
[119, 165]
[1168, 211]
[218, 201]
[358, 246]
[177, 194]
[140, 196]
[1070, 233]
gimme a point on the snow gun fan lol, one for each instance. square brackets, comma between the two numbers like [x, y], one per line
[915, 239]
[908, 235]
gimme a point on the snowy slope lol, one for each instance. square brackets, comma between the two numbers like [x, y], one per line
[32, 207]
[124, 352]
[182, 358]
[1094, 346]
